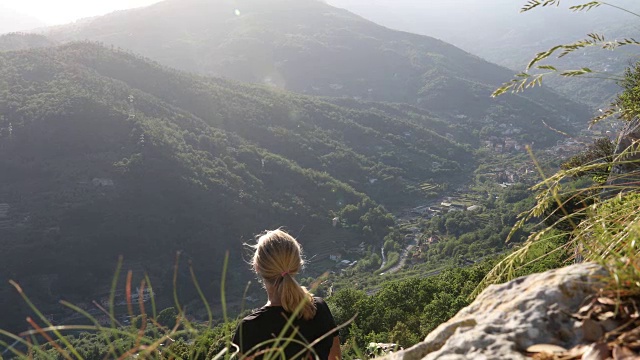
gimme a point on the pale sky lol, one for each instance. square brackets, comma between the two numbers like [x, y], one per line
[55, 12]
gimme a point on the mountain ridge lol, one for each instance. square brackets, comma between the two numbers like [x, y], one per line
[503, 35]
[321, 50]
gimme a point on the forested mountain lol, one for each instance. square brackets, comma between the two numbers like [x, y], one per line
[11, 20]
[106, 153]
[103, 153]
[496, 31]
[310, 47]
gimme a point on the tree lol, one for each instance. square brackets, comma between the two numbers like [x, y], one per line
[402, 335]
[378, 220]
[167, 317]
[344, 305]
[351, 214]
[629, 100]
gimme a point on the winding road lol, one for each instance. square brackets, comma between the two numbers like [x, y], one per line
[403, 256]
[384, 259]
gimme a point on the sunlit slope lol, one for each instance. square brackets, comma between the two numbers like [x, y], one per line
[310, 47]
[315, 134]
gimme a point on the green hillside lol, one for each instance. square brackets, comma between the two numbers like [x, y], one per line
[105, 154]
[310, 47]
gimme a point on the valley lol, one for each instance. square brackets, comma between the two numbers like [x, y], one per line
[143, 150]
[227, 161]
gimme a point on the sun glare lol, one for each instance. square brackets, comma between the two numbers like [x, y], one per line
[64, 11]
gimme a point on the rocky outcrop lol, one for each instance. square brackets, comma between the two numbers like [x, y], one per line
[505, 320]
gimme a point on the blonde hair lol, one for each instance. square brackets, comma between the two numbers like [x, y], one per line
[277, 259]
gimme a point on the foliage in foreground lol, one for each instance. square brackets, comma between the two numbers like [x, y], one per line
[420, 305]
[601, 221]
[404, 312]
[599, 216]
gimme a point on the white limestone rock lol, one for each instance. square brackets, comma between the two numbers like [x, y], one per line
[506, 319]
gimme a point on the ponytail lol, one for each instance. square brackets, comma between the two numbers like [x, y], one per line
[294, 297]
[277, 259]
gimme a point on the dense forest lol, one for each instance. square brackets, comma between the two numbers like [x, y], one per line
[105, 153]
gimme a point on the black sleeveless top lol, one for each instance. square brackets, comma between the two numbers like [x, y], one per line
[265, 324]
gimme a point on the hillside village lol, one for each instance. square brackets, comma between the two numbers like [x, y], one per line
[410, 221]
[506, 169]
[565, 147]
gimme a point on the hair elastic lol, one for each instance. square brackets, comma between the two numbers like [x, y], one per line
[284, 273]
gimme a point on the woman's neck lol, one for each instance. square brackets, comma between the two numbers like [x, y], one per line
[273, 298]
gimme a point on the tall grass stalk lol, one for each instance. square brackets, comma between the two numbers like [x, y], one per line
[145, 337]
[605, 230]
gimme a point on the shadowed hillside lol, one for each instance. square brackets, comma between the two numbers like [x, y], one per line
[106, 154]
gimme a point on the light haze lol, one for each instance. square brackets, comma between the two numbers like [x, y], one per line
[65, 11]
